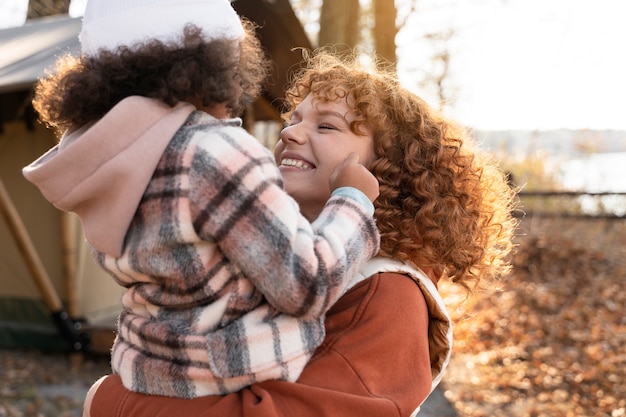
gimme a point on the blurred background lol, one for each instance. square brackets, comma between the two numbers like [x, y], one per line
[541, 84]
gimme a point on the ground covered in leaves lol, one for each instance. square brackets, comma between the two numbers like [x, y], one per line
[548, 340]
[46, 384]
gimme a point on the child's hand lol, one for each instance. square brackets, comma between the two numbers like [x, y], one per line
[350, 173]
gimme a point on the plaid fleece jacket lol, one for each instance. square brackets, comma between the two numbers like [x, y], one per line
[227, 284]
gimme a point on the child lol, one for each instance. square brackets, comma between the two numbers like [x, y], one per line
[444, 212]
[227, 284]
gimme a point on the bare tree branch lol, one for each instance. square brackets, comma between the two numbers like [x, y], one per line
[405, 18]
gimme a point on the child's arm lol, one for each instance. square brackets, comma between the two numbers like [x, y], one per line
[302, 269]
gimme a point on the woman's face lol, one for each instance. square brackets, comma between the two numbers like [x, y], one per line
[317, 139]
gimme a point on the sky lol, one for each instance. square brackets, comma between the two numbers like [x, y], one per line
[515, 64]
[528, 64]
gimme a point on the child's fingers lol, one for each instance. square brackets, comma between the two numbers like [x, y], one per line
[352, 158]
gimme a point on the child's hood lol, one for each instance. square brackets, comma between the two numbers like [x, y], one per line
[101, 172]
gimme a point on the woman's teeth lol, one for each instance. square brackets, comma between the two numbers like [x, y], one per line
[295, 163]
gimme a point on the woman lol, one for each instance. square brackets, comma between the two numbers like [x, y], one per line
[444, 212]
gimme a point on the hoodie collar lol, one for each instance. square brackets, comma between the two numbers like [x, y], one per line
[100, 172]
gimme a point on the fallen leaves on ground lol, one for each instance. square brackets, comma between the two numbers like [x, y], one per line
[550, 339]
[46, 384]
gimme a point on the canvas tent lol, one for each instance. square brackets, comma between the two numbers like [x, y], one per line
[52, 295]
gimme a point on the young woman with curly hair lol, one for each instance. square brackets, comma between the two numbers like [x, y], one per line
[227, 283]
[443, 205]
[444, 212]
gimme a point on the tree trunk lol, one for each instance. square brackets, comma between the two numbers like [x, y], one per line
[385, 30]
[339, 24]
[439, 76]
[41, 8]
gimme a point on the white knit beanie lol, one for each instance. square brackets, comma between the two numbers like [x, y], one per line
[108, 24]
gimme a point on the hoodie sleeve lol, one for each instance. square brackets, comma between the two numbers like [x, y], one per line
[238, 202]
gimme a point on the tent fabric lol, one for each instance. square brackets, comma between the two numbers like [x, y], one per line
[26, 322]
[27, 51]
[96, 296]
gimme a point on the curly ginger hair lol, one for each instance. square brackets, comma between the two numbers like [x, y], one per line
[444, 206]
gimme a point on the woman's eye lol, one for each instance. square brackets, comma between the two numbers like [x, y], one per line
[325, 126]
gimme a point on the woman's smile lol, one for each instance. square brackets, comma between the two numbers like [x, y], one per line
[317, 139]
[289, 160]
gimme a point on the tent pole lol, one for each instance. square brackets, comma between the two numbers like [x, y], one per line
[72, 331]
[29, 253]
[68, 243]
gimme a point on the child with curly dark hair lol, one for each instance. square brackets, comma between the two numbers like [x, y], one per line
[227, 283]
[444, 213]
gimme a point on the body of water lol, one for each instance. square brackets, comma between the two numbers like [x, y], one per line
[598, 172]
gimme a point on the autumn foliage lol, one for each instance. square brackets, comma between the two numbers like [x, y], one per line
[550, 340]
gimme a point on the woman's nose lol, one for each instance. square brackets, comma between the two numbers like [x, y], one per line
[292, 134]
